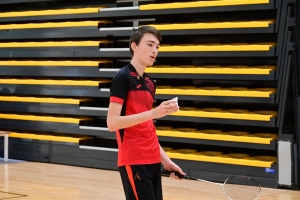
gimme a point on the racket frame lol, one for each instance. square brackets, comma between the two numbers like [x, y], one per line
[220, 184]
[245, 177]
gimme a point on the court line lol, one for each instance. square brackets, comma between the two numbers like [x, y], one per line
[19, 195]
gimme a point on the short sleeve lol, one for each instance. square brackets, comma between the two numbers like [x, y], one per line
[119, 88]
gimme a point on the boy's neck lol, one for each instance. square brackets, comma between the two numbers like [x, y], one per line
[138, 67]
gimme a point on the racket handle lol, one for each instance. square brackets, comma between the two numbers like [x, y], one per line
[167, 172]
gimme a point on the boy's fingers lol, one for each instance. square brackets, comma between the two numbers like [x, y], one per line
[169, 102]
[172, 175]
[181, 172]
[174, 109]
[170, 106]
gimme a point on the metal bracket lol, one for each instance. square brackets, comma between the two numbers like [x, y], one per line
[135, 3]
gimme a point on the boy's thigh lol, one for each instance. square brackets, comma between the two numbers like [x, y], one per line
[142, 182]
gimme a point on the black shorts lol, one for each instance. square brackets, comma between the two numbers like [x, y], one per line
[142, 182]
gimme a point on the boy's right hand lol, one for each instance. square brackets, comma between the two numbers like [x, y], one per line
[166, 108]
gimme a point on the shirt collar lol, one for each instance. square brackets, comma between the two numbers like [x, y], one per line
[132, 68]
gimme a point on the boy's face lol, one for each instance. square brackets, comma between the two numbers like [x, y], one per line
[147, 49]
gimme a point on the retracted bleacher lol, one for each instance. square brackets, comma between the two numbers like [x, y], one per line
[227, 61]
[49, 104]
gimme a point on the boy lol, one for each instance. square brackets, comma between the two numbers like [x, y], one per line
[130, 114]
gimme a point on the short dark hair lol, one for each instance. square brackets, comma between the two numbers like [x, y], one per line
[140, 32]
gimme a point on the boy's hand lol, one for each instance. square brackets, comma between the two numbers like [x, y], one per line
[166, 108]
[171, 166]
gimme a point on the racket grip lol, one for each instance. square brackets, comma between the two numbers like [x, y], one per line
[167, 172]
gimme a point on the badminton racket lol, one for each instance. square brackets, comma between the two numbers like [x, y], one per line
[235, 187]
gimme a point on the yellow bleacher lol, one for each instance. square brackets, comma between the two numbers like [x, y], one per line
[199, 4]
[217, 47]
[219, 157]
[53, 63]
[216, 92]
[53, 25]
[43, 100]
[225, 114]
[50, 12]
[72, 120]
[53, 82]
[232, 136]
[70, 139]
[211, 69]
[54, 44]
[213, 25]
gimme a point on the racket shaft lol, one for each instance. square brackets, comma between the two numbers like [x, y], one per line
[166, 172]
[210, 182]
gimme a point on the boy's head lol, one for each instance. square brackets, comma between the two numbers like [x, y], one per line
[145, 42]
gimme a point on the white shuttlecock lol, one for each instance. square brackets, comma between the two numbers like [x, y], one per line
[176, 99]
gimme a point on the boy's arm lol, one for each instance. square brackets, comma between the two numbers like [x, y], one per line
[115, 121]
[169, 164]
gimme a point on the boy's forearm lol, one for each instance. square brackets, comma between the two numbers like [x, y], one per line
[120, 122]
[164, 157]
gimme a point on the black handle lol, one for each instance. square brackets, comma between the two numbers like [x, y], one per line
[167, 172]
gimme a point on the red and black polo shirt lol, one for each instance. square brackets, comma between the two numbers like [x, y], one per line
[137, 144]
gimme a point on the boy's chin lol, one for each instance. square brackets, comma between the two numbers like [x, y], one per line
[150, 64]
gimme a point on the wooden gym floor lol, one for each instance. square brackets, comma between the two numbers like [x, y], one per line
[43, 181]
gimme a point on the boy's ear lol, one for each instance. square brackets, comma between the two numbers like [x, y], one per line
[134, 46]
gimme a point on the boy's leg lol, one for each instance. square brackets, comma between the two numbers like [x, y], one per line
[138, 182]
[157, 186]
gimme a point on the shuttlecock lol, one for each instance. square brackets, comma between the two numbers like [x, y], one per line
[176, 99]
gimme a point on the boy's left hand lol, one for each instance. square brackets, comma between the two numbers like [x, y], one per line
[174, 168]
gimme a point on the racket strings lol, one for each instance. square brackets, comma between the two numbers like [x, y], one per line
[241, 189]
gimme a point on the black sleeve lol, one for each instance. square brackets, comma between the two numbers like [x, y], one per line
[119, 87]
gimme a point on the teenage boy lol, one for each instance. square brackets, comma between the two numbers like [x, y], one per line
[130, 114]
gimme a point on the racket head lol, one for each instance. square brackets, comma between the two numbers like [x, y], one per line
[241, 188]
